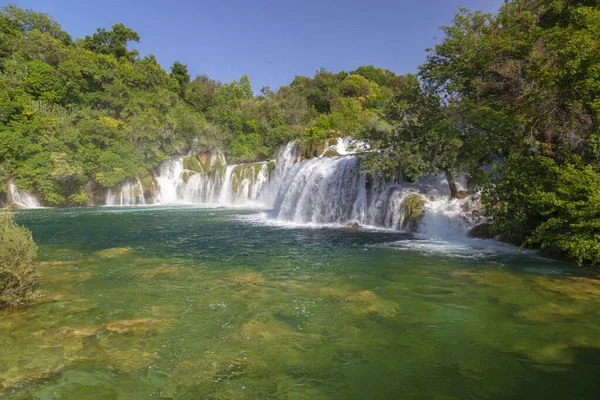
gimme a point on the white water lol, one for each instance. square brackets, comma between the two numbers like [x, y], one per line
[325, 190]
[131, 193]
[22, 199]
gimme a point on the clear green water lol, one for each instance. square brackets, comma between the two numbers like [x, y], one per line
[185, 303]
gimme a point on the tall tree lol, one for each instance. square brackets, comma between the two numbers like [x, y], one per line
[113, 42]
[179, 73]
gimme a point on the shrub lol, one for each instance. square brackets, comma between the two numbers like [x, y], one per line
[539, 203]
[18, 275]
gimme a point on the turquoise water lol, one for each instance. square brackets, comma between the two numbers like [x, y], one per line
[189, 303]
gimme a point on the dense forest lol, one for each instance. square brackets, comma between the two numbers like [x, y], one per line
[512, 100]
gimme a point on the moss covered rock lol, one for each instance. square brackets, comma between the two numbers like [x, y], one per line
[149, 187]
[193, 164]
[331, 153]
[413, 212]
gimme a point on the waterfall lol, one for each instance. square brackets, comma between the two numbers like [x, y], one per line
[211, 183]
[130, 193]
[324, 190]
[333, 190]
[22, 199]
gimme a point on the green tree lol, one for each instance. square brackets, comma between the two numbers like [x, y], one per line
[539, 203]
[113, 42]
[179, 73]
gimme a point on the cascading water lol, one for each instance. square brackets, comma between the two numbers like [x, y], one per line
[324, 190]
[217, 184]
[22, 199]
[131, 193]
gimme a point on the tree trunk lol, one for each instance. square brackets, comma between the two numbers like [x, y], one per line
[451, 185]
[547, 133]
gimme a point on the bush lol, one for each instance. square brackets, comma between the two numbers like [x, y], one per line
[18, 274]
[540, 203]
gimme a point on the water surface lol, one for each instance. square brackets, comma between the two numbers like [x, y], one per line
[190, 303]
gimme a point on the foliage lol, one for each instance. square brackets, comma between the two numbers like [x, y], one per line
[18, 274]
[413, 212]
[541, 203]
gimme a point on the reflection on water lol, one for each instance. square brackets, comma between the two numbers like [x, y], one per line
[185, 303]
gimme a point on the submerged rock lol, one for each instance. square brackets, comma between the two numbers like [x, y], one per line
[367, 303]
[575, 287]
[154, 272]
[495, 278]
[246, 278]
[141, 325]
[113, 252]
[129, 361]
[546, 312]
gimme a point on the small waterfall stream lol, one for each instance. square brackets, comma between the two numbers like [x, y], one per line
[22, 199]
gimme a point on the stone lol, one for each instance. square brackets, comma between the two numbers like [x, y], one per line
[481, 231]
[352, 227]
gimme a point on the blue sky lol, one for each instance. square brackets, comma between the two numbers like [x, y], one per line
[269, 40]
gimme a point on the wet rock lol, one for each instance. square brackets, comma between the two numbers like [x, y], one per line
[461, 194]
[481, 231]
[353, 227]
[331, 153]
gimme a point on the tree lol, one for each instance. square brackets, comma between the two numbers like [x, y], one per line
[246, 86]
[113, 42]
[27, 21]
[422, 138]
[179, 73]
[539, 203]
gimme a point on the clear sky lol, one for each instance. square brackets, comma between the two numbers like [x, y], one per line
[269, 40]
